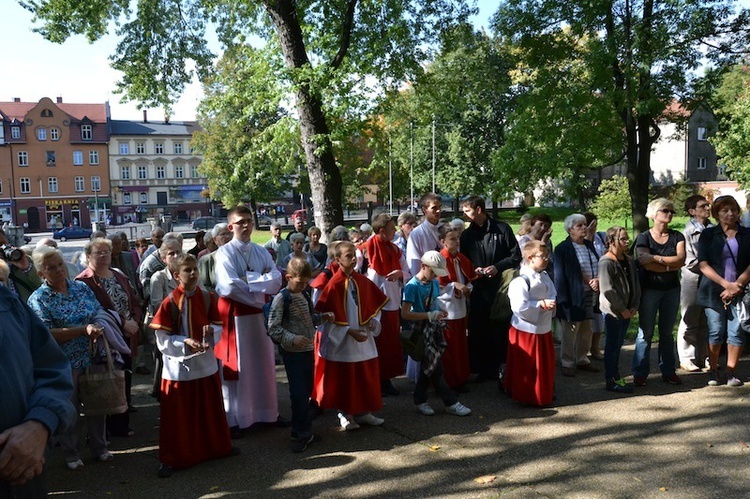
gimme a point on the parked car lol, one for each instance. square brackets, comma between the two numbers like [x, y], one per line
[204, 223]
[75, 232]
[264, 221]
[300, 214]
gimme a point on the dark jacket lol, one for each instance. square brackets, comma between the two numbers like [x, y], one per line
[492, 244]
[710, 249]
[569, 281]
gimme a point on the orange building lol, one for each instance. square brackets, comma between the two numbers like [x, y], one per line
[54, 163]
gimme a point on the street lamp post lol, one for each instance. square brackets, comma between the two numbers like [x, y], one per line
[433, 153]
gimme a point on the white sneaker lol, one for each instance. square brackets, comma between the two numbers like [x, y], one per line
[105, 457]
[369, 419]
[425, 409]
[75, 465]
[347, 423]
[458, 409]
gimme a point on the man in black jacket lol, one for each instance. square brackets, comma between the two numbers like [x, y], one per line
[492, 248]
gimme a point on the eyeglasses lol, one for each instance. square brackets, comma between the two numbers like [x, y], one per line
[667, 211]
[623, 239]
[543, 257]
[102, 253]
[243, 222]
[225, 235]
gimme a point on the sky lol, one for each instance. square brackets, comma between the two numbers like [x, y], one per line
[79, 72]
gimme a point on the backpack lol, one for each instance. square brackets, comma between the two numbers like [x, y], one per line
[287, 296]
[500, 311]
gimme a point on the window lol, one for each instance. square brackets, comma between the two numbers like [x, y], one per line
[126, 198]
[78, 158]
[54, 133]
[158, 148]
[142, 172]
[46, 113]
[140, 148]
[15, 132]
[144, 198]
[23, 158]
[721, 171]
[194, 171]
[160, 172]
[41, 133]
[701, 133]
[1, 186]
[52, 184]
[125, 172]
[178, 148]
[25, 185]
[87, 132]
[124, 149]
[93, 157]
[96, 183]
[80, 184]
[179, 172]
[50, 158]
[701, 163]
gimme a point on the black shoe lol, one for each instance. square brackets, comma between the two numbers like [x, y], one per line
[165, 471]
[236, 433]
[142, 370]
[300, 445]
[387, 388]
[619, 386]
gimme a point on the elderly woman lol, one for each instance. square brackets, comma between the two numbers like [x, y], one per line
[114, 292]
[298, 243]
[318, 250]
[724, 256]
[576, 266]
[661, 254]
[69, 308]
[162, 283]
[221, 235]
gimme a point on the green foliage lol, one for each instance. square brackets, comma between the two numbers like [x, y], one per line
[250, 143]
[732, 108]
[465, 91]
[613, 200]
[677, 193]
[609, 60]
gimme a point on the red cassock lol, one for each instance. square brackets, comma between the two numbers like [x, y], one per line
[351, 387]
[530, 368]
[456, 355]
[193, 423]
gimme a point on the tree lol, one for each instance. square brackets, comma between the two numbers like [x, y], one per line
[465, 92]
[613, 200]
[638, 55]
[732, 108]
[330, 50]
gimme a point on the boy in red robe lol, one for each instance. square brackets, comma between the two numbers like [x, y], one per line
[454, 293]
[387, 269]
[351, 376]
[193, 424]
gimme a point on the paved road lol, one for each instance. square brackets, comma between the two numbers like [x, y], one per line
[662, 441]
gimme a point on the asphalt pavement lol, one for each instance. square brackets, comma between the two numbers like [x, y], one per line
[662, 441]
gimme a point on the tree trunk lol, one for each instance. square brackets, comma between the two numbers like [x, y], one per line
[325, 177]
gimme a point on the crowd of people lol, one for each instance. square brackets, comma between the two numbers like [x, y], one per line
[485, 304]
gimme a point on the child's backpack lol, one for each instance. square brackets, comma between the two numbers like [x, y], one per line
[287, 296]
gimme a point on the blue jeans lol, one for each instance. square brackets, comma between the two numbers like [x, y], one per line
[613, 339]
[299, 374]
[724, 325]
[666, 303]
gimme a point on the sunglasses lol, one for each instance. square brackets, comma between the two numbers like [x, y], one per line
[665, 210]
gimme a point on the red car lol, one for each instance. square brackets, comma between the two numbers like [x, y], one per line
[300, 214]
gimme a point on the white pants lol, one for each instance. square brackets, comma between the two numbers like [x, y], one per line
[575, 342]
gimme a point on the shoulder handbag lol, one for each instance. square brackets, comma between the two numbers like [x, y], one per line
[412, 337]
[743, 300]
[500, 310]
[102, 393]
